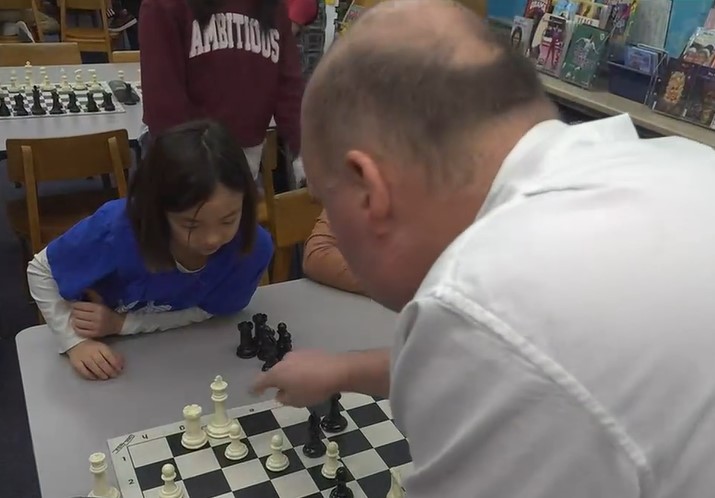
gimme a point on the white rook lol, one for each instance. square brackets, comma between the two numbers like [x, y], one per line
[194, 436]
[98, 468]
[220, 423]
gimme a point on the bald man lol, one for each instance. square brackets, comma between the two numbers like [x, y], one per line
[555, 283]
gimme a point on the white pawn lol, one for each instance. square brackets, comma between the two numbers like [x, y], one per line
[330, 466]
[98, 468]
[277, 461]
[396, 489]
[170, 489]
[237, 450]
[194, 436]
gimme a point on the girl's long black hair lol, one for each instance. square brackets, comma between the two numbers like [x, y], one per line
[204, 9]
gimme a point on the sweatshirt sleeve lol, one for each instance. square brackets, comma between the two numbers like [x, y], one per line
[506, 428]
[290, 85]
[323, 261]
[163, 68]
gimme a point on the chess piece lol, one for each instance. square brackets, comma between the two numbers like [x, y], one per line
[37, 109]
[220, 424]
[64, 84]
[131, 97]
[331, 464]
[120, 75]
[334, 422]
[107, 102]
[341, 490]
[277, 461]
[98, 468]
[237, 450]
[285, 341]
[56, 104]
[271, 355]
[72, 106]
[78, 83]
[14, 87]
[28, 76]
[194, 436]
[315, 447]
[4, 109]
[20, 109]
[247, 347]
[94, 82]
[266, 345]
[91, 103]
[396, 489]
[170, 489]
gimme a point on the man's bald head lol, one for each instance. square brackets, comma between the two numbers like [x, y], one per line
[415, 82]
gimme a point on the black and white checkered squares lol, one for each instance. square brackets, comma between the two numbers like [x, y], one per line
[369, 447]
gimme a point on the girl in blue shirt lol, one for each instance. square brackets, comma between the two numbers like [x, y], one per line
[182, 247]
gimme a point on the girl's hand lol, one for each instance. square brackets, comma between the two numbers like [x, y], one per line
[94, 319]
[94, 360]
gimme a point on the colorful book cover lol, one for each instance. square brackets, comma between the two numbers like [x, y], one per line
[565, 8]
[700, 48]
[700, 107]
[535, 9]
[619, 19]
[673, 90]
[521, 30]
[584, 55]
[596, 13]
[352, 15]
[641, 59]
[552, 45]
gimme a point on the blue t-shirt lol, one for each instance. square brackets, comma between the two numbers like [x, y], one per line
[101, 253]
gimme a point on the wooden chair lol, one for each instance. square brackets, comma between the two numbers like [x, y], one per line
[22, 5]
[40, 219]
[89, 39]
[125, 56]
[295, 215]
[269, 163]
[40, 54]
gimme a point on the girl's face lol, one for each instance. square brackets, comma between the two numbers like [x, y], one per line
[204, 229]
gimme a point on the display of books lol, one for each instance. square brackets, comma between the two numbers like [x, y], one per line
[674, 88]
[584, 55]
[521, 31]
[554, 34]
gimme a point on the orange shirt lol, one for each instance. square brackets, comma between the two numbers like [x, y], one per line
[323, 261]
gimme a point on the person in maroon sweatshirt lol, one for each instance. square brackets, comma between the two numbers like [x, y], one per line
[234, 61]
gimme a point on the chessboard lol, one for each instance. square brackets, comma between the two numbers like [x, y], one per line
[19, 102]
[358, 431]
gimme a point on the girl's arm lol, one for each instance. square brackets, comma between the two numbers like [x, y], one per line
[163, 69]
[55, 310]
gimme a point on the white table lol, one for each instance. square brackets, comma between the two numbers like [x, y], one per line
[83, 124]
[70, 418]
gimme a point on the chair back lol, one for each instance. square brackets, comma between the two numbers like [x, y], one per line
[295, 214]
[125, 56]
[89, 39]
[39, 54]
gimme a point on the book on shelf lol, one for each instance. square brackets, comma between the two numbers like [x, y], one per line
[674, 88]
[550, 47]
[521, 30]
[584, 55]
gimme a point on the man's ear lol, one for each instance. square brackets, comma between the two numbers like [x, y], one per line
[367, 175]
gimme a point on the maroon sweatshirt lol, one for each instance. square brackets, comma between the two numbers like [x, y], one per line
[231, 72]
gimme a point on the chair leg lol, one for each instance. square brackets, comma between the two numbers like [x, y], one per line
[281, 265]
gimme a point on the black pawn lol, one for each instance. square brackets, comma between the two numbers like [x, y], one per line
[271, 357]
[315, 447]
[56, 104]
[91, 104]
[20, 109]
[341, 490]
[334, 422]
[37, 109]
[73, 106]
[248, 347]
[4, 109]
[107, 102]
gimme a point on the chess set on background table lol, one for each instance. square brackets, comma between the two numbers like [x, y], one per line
[45, 98]
[347, 447]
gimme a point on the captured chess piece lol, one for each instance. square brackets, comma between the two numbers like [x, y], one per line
[271, 355]
[248, 348]
[266, 345]
[107, 102]
[4, 109]
[341, 490]
[98, 468]
[285, 341]
[170, 489]
[334, 422]
[331, 464]
[277, 461]
[56, 104]
[220, 423]
[91, 103]
[131, 98]
[20, 109]
[37, 109]
[72, 106]
[194, 436]
[315, 447]
[237, 450]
